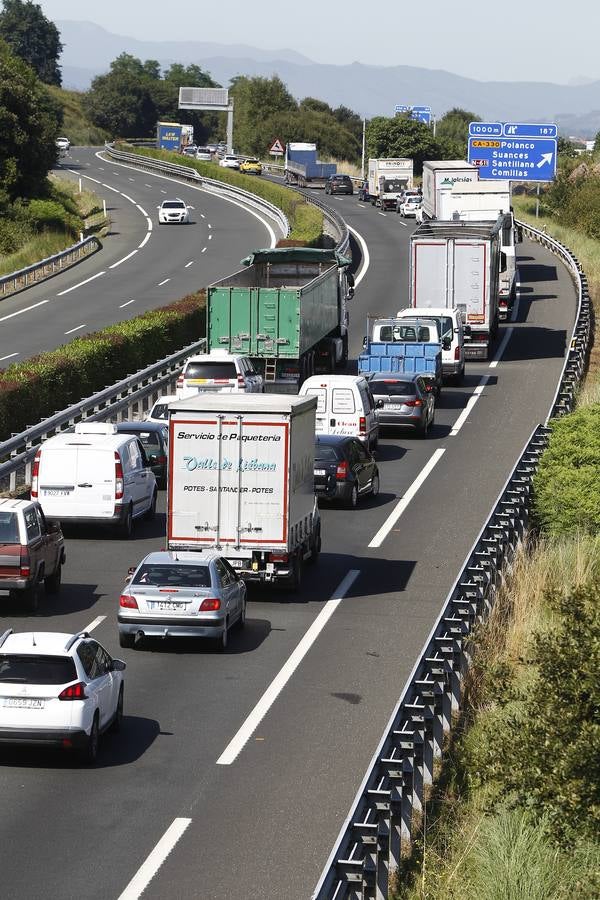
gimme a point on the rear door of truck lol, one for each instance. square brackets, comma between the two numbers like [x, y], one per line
[470, 285]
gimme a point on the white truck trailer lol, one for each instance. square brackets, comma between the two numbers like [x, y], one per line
[241, 480]
[484, 201]
[454, 265]
[439, 177]
[388, 178]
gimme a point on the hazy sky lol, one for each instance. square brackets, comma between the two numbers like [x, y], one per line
[533, 40]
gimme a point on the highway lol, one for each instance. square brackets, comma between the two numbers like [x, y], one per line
[141, 266]
[254, 813]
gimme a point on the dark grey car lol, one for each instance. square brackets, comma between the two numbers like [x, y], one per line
[339, 184]
[404, 401]
[154, 438]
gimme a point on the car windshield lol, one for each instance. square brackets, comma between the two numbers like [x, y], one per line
[209, 369]
[173, 575]
[22, 669]
[9, 528]
[160, 411]
[173, 204]
[323, 453]
[393, 388]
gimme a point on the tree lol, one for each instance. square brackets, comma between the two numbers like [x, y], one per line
[400, 136]
[257, 100]
[452, 133]
[121, 101]
[33, 38]
[596, 149]
[30, 120]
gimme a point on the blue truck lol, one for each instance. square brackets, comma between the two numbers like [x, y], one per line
[169, 136]
[403, 346]
[303, 168]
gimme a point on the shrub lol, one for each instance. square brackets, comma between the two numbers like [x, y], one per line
[567, 486]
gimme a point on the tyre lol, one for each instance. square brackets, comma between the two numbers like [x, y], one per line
[117, 722]
[296, 577]
[423, 430]
[316, 547]
[150, 514]
[352, 501]
[241, 622]
[374, 443]
[375, 486]
[30, 598]
[459, 378]
[126, 527]
[89, 753]
[52, 582]
[126, 640]
[223, 640]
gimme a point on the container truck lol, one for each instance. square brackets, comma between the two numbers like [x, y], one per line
[303, 168]
[169, 136]
[287, 310]
[241, 481]
[455, 265]
[484, 201]
[439, 177]
[407, 346]
[388, 178]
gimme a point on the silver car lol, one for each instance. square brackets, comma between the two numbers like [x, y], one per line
[181, 595]
[404, 400]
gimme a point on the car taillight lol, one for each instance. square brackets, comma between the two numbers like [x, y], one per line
[362, 425]
[413, 403]
[240, 381]
[25, 568]
[118, 477]
[74, 692]
[457, 353]
[128, 602]
[35, 473]
[341, 473]
[180, 381]
[280, 557]
[211, 604]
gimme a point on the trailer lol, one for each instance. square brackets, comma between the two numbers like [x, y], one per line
[303, 168]
[169, 136]
[388, 179]
[439, 177]
[287, 309]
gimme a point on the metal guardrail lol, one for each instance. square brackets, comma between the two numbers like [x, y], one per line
[187, 173]
[46, 268]
[118, 402]
[387, 812]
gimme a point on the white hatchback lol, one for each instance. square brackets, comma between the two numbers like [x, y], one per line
[230, 162]
[218, 371]
[58, 690]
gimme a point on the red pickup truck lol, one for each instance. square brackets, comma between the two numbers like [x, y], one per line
[32, 550]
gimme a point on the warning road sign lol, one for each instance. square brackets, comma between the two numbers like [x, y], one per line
[277, 148]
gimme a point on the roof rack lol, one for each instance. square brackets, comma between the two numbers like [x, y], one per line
[6, 634]
[76, 637]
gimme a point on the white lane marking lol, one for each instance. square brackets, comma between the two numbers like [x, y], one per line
[119, 261]
[81, 283]
[143, 211]
[501, 348]
[101, 168]
[21, 311]
[144, 242]
[210, 237]
[470, 404]
[269, 697]
[202, 251]
[132, 179]
[160, 283]
[127, 197]
[116, 190]
[202, 216]
[154, 861]
[123, 305]
[162, 192]
[382, 214]
[150, 226]
[187, 265]
[366, 259]
[116, 173]
[404, 225]
[404, 501]
[8, 356]
[209, 225]
[97, 621]
[148, 185]
[79, 327]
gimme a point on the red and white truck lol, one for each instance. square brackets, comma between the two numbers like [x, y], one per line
[241, 480]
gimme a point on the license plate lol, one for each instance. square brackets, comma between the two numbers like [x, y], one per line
[320, 472]
[168, 606]
[236, 563]
[23, 703]
[55, 493]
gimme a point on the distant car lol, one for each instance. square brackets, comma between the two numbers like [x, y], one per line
[404, 196]
[58, 690]
[171, 211]
[204, 153]
[160, 411]
[251, 166]
[410, 206]
[229, 162]
[218, 371]
[404, 401]
[339, 184]
[63, 143]
[182, 595]
[190, 150]
[363, 192]
[154, 438]
[345, 470]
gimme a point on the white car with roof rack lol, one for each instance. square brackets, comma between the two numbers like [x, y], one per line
[58, 690]
[219, 371]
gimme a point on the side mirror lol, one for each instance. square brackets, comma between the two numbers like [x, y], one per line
[446, 344]
[467, 330]
[53, 526]
[152, 458]
[365, 342]
[379, 404]
[350, 279]
[350, 293]
[118, 665]
[130, 571]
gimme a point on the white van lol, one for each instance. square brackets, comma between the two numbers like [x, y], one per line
[94, 475]
[344, 406]
[452, 335]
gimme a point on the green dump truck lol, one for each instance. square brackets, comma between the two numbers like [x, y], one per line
[287, 309]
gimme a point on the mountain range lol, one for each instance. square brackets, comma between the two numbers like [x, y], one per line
[368, 90]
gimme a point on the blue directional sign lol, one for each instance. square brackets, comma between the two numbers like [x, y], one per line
[421, 113]
[493, 129]
[513, 159]
[524, 129]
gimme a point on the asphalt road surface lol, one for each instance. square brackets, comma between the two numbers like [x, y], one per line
[254, 814]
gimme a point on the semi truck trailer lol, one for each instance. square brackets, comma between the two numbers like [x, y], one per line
[303, 168]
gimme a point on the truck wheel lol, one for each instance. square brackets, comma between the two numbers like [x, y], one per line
[316, 547]
[52, 582]
[296, 576]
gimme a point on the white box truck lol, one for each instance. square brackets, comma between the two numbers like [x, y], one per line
[455, 265]
[485, 201]
[241, 480]
[439, 177]
[388, 178]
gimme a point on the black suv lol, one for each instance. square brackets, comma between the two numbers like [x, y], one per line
[339, 184]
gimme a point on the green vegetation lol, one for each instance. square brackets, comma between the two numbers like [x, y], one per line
[32, 37]
[75, 122]
[306, 221]
[33, 390]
